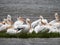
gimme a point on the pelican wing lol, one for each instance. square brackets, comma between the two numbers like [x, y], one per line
[35, 23]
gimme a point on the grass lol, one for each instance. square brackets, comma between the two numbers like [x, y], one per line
[3, 34]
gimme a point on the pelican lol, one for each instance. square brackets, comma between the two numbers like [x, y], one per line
[25, 28]
[5, 25]
[35, 23]
[55, 24]
[13, 29]
[20, 21]
[42, 25]
[9, 20]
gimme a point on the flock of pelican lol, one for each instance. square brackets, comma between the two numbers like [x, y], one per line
[25, 25]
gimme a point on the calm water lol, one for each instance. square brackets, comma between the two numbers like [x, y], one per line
[34, 41]
[29, 8]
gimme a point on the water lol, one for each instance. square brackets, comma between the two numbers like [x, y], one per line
[30, 41]
[29, 8]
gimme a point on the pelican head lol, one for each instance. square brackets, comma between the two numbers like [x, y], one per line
[28, 21]
[56, 13]
[57, 17]
[41, 17]
[4, 21]
[20, 18]
[8, 17]
[44, 21]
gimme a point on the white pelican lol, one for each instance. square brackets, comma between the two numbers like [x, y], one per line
[13, 29]
[55, 24]
[5, 25]
[41, 26]
[20, 21]
[9, 19]
[26, 27]
[35, 23]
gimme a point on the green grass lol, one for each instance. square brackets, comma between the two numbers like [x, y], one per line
[3, 34]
